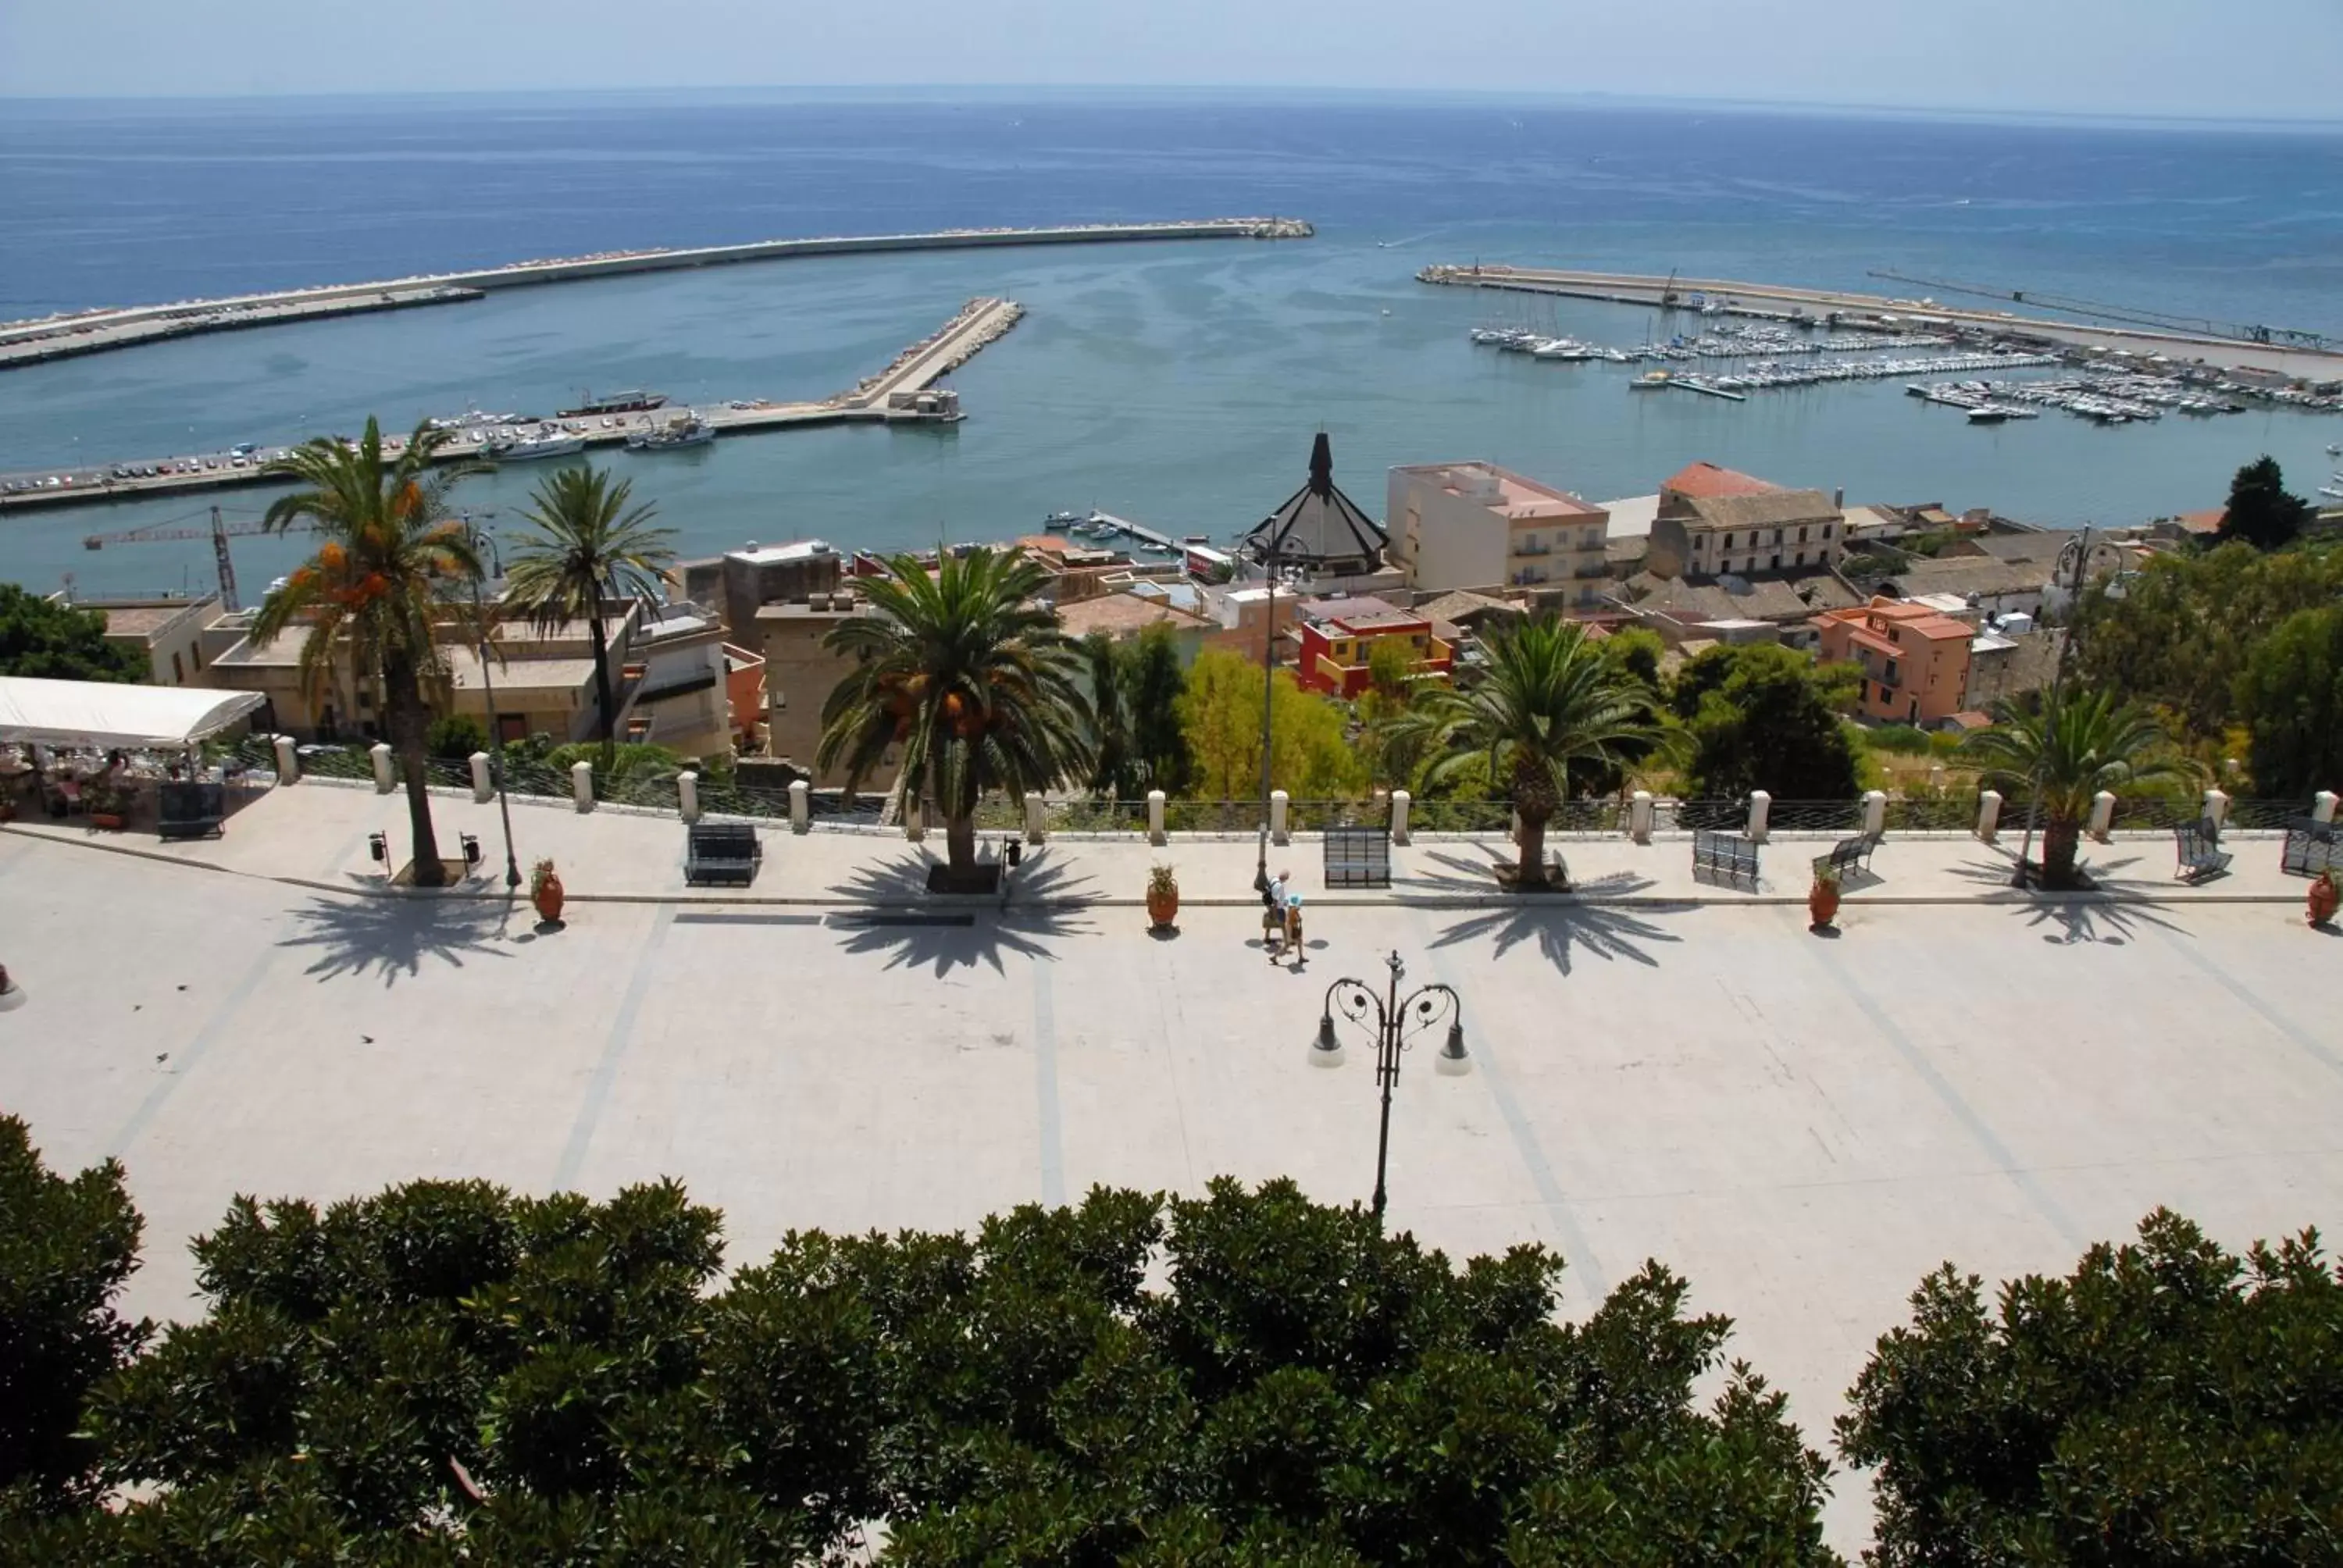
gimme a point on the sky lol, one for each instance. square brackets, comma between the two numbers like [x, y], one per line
[2213, 59]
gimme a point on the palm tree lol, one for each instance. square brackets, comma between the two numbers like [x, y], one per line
[581, 545]
[1548, 708]
[2072, 750]
[975, 682]
[381, 585]
[1114, 763]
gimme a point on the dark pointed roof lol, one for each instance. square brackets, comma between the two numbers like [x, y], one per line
[1319, 527]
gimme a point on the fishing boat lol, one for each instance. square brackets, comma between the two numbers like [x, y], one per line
[1060, 522]
[632, 401]
[686, 429]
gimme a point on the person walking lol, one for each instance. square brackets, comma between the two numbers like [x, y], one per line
[1272, 915]
[1294, 925]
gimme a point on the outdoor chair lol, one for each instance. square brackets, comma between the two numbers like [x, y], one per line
[721, 853]
[188, 810]
[1358, 858]
[2199, 844]
[1847, 855]
[1728, 855]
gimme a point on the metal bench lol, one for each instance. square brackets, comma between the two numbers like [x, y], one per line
[1728, 855]
[2311, 848]
[1847, 855]
[188, 810]
[1358, 857]
[721, 853]
[2199, 845]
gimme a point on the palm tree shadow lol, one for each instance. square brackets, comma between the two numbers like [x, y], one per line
[1560, 931]
[916, 930]
[1466, 871]
[2110, 922]
[394, 936]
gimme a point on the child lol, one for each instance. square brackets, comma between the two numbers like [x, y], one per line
[1294, 925]
[1272, 915]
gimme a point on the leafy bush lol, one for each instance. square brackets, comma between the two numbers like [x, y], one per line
[2166, 1404]
[454, 736]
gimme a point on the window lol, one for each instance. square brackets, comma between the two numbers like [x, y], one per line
[1728, 541]
[177, 673]
[1777, 536]
[1801, 559]
[1826, 531]
[1775, 564]
[1802, 535]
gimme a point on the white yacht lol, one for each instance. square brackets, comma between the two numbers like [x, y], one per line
[532, 448]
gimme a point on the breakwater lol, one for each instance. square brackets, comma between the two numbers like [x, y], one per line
[904, 393]
[96, 331]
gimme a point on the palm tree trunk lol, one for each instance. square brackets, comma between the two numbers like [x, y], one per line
[1531, 873]
[959, 843]
[602, 684]
[407, 726]
[2060, 839]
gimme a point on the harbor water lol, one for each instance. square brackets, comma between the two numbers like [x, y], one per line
[1179, 384]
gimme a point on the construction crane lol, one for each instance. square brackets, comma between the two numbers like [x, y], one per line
[218, 531]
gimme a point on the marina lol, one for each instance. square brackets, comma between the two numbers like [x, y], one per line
[34, 341]
[904, 393]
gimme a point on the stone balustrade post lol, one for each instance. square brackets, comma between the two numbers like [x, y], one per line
[1037, 819]
[1874, 813]
[385, 780]
[581, 784]
[2102, 815]
[1639, 816]
[1155, 815]
[2217, 808]
[1278, 801]
[915, 828]
[288, 759]
[1399, 802]
[800, 806]
[1988, 814]
[687, 795]
[484, 783]
[1761, 809]
[2322, 806]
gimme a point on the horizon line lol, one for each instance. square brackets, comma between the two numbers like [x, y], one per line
[998, 92]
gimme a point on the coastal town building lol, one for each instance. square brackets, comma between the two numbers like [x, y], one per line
[166, 632]
[738, 583]
[685, 681]
[1715, 522]
[800, 675]
[1318, 536]
[1731, 610]
[1477, 525]
[1122, 616]
[1249, 616]
[1335, 639]
[1914, 657]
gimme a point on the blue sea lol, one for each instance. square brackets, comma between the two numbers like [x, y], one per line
[1179, 384]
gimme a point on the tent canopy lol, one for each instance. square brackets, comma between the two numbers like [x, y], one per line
[94, 713]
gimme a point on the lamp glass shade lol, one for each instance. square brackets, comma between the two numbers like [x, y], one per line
[1451, 1060]
[1326, 1050]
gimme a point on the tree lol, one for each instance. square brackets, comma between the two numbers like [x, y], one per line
[1155, 680]
[1548, 712]
[1115, 768]
[380, 587]
[2070, 751]
[66, 1249]
[2290, 699]
[581, 547]
[1220, 714]
[454, 736]
[2167, 1403]
[1762, 718]
[965, 672]
[2260, 511]
[444, 1372]
[51, 641]
[1637, 650]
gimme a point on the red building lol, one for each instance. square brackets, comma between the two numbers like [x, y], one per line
[1334, 648]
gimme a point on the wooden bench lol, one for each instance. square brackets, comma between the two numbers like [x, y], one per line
[1847, 855]
[721, 853]
[2311, 848]
[1728, 855]
[2199, 845]
[188, 809]
[1358, 857]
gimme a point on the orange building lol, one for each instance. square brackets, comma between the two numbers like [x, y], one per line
[1914, 660]
[1335, 650]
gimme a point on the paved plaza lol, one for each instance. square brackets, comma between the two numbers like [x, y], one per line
[1801, 1125]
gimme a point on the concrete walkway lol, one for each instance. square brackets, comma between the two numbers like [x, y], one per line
[316, 834]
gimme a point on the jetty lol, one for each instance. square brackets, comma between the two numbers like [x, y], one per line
[31, 342]
[904, 393]
[1779, 302]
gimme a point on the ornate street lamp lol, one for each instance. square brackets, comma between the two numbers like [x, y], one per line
[1395, 1020]
[480, 537]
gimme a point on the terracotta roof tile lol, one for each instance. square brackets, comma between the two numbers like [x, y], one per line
[1706, 481]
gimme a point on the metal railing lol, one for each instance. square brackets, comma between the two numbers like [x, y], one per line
[1940, 814]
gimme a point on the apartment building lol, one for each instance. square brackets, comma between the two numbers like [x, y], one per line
[1914, 659]
[1476, 525]
[1716, 522]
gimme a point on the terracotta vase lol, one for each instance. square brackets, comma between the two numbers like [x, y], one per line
[548, 898]
[1163, 908]
[106, 820]
[1822, 902]
[2323, 900]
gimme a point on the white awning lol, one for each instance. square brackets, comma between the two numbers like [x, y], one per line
[94, 713]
